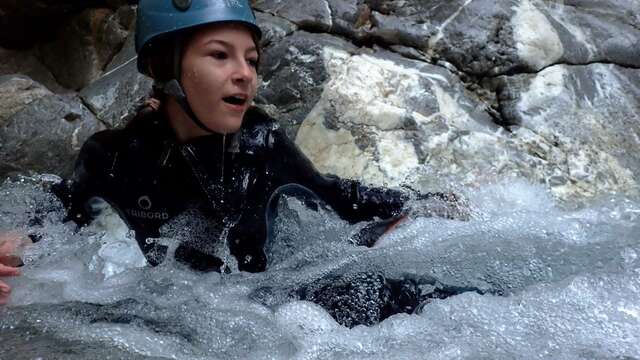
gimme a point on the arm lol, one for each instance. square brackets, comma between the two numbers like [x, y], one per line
[92, 167]
[353, 201]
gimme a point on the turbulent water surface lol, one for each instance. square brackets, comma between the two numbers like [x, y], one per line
[570, 279]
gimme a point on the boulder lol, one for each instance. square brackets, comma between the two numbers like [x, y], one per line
[352, 18]
[389, 120]
[345, 17]
[273, 28]
[26, 63]
[308, 14]
[381, 117]
[17, 91]
[117, 93]
[427, 93]
[293, 74]
[590, 114]
[590, 31]
[85, 46]
[26, 22]
[484, 37]
[45, 136]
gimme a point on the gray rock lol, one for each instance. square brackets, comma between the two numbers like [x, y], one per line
[597, 31]
[473, 35]
[384, 117]
[17, 91]
[497, 37]
[45, 136]
[294, 75]
[84, 47]
[347, 11]
[350, 18]
[25, 63]
[589, 113]
[116, 94]
[389, 120]
[381, 117]
[273, 28]
[309, 14]
[26, 22]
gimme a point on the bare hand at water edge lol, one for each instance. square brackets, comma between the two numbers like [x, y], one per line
[5, 290]
[10, 243]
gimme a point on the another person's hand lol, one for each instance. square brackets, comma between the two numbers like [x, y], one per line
[10, 245]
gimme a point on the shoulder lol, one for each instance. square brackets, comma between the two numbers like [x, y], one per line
[258, 128]
[103, 142]
[141, 130]
[258, 118]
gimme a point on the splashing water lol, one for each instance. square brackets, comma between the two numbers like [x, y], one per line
[570, 279]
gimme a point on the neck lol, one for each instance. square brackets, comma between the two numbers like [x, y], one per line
[184, 128]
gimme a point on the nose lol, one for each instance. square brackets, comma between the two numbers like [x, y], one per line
[243, 72]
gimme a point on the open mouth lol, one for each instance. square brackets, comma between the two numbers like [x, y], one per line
[235, 100]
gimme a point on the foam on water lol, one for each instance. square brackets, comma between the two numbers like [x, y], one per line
[570, 279]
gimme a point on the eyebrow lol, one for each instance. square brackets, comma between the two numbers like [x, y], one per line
[228, 44]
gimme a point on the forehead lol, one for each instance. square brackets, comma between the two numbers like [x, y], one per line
[233, 33]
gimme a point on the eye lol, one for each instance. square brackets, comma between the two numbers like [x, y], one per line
[253, 62]
[219, 55]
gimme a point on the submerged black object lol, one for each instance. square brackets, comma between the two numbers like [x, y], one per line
[366, 298]
[150, 179]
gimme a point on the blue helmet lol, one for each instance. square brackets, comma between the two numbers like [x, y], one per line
[157, 18]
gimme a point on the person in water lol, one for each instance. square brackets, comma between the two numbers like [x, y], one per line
[200, 147]
[199, 150]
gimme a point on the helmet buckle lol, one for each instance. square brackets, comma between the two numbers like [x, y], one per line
[182, 5]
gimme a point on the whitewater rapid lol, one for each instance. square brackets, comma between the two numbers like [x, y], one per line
[570, 279]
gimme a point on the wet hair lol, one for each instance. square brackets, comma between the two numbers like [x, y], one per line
[161, 63]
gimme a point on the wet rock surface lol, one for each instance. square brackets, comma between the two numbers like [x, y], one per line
[26, 63]
[589, 115]
[85, 46]
[27, 22]
[45, 135]
[398, 92]
[117, 93]
[17, 91]
[294, 74]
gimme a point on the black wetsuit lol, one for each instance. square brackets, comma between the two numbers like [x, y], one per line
[151, 179]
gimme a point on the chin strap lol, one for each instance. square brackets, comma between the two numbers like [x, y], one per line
[174, 89]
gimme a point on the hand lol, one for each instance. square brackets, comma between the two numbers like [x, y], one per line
[5, 290]
[10, 243]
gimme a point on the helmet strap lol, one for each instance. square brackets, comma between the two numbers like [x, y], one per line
[174, 89]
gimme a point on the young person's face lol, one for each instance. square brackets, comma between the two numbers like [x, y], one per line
[219, 77]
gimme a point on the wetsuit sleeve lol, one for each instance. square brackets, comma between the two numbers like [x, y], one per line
[87, 181]
[353, 201]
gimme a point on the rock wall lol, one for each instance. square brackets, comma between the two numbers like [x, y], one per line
[427, 93]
